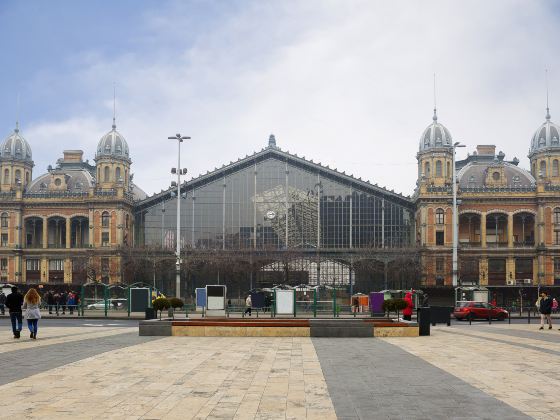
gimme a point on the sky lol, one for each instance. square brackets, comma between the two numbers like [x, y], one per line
[348, 83]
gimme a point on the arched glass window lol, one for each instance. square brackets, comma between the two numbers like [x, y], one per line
[557, 216]
[542, 168]
[6, 176]
[18, 175]
[438, 167]
[105, 219]
[4, 220]
[118, 174]
[555, 167]
[440, 217]
[106, 174]
[427, 169]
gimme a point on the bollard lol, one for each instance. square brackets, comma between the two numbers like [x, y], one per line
[509, 317]
[490, 318]
[529, 316]
[470, 320]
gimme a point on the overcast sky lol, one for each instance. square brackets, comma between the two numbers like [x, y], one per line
[347, 83]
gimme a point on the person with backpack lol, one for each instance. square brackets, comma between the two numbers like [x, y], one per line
[14, 301]
[545, 308]
[31, 303]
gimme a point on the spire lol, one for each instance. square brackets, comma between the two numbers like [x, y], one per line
[435, 107]
[272, 141]
[16, 130]
[114, 107]
[546, 81]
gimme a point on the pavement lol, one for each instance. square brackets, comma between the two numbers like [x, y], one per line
[102, 369]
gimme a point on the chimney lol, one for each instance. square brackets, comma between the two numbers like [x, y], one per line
[486, 150]
[73, 156]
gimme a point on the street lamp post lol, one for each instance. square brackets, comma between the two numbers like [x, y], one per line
[179, 172]
[455, 219]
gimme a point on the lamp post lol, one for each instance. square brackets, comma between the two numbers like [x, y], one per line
[179, 172]
[455, 221]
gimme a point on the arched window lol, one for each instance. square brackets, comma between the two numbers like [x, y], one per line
[449, 174]
[555, 167]
[106, 174]
[440, 217]
[4, 220]
[118, 174]
[427, 169]
[542, 168]
[26, 178]
[126, 221]
[18, 175]
[105, 219]
[534, 169]
[438, 167]
[125, 176]
[6, 176]
[557, 216]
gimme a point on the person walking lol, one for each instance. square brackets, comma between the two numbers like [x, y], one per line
[407, 312]
[2, 303]
[56, 299]
[554, 305]
[62, 301]
[545, 308]
[71, 302]
[248, 304]
[31, 303]
[13, 303]
[50, 301]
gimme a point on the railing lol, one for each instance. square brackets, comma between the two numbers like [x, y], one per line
[509, 188]
[524, 244]
[10, 194]
[55, 194]
[105, 193]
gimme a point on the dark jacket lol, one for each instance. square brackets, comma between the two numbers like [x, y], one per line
[2, 298]
[14, 302]
[546, 306]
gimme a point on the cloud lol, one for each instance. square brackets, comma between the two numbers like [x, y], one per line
[345, 83]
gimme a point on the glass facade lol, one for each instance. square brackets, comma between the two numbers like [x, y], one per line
[275, 202]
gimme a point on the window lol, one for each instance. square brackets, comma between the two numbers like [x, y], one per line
[27, 178]
[33, 265]
[427, 169]
[4, 239]
[449, 174]
[439, 238]
[105, 239]
[556, 234]
[542, 168]
[18, 175]
[106, 174]
[118, 174]
[557, 216]
[3, 264]
[56, 265]
[438, 167]
[105, 219]
[57, 182]
[496, 176]
[105, 265]
[557, 265]
[126, 219]
[440, 218]
[555, 167]
[440, 265]
[5, 220]
[6, 176]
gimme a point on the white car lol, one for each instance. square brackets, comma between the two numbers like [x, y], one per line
[112, 304]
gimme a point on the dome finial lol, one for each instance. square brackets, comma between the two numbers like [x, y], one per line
[271, 141]
[547, 109]
[435, 107]
[114, 107]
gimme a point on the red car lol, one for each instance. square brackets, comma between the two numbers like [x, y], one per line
[478, 310]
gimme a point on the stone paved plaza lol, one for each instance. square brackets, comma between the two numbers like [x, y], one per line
[102, 369]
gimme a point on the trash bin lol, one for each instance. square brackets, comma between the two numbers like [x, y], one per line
[423, 315]
[150, 313]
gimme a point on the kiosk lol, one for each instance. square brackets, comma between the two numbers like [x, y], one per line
[216, 300]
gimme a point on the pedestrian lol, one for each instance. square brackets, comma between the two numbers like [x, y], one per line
[71, 302]
[31, 303]
[56, 299]
[554, 305]
[50, 301]
[248, 304]
[13, 303]
[545, 309]
[63, 300]
[2, 303]
[425, 300]
[407, 312]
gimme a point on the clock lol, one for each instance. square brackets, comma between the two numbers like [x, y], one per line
[270, 214]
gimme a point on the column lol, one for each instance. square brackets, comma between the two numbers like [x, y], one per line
[483, 229]
[510, 230]
[45, 232]
[68, 231]
[67, 270]
[44, 270]
[90, 227]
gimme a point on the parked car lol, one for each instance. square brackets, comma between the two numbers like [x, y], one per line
[466, 310]
[112, 304]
